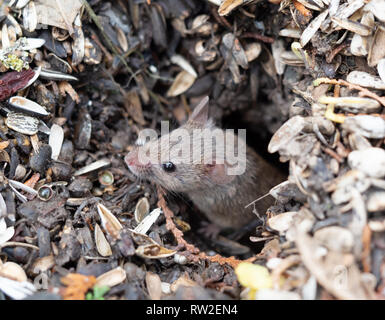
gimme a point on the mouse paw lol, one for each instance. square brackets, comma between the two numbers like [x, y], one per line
[209, 230]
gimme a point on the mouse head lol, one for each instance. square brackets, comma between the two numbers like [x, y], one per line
[180, 161]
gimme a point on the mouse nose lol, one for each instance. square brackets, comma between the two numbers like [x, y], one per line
[131, 158]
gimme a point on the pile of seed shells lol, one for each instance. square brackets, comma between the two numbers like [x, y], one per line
[80, 79]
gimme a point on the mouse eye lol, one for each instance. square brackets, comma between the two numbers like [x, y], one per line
[168, 167]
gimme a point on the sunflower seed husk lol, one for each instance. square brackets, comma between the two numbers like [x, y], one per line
[101, 242]
[335, 238]
[22, 186]
[360, 45]
[377, 7]
[111, 278]
[109, 222]
[353, 26]
[184, 64]
[12, 270]
[347, 9]
[55, 75]
[142, 209]
[22, 123]
[286, 132]
[365, 80]
[282, 222]
[290, 33]
[370, 161]
[368, 126]
[183, 81]
[376, 201]
[154, 251]
[56, 138]
[93, 167]
[27, 106]
[312, 28]
[376, 50]
[291, 59]
[148, 221]
[30, 17]
[15, 289]
[252, 51]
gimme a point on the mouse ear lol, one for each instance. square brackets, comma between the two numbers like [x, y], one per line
[218, 173]
[201, 111]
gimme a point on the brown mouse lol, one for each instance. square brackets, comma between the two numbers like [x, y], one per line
[221, 196]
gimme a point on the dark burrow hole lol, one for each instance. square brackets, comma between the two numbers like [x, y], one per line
[258, 138]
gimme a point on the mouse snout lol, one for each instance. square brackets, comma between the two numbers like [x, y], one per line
[131, 158]
[134, 164]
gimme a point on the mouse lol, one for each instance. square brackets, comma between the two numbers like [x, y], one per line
[223, 189]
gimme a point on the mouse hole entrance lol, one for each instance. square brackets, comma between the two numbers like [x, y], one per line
[259, 131]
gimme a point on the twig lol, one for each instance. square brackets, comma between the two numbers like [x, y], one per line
[171, 226]
[221, 20]
[334, 52]
[363, 91]
[18, 244]
[192, 253]
[333, 154]
[258, 36]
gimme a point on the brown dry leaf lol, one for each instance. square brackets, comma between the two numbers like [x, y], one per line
[57, 13]
[111, 278]
[154, 286]
[31, 182]
[134, 107]
[77, 286]
[65, 87]
[122, 39]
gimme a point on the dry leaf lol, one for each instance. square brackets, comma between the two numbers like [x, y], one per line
[58, 13]
[77, 286]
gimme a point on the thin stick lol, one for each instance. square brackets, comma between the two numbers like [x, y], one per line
[363, 91]
[192, 253]
[18, 244]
